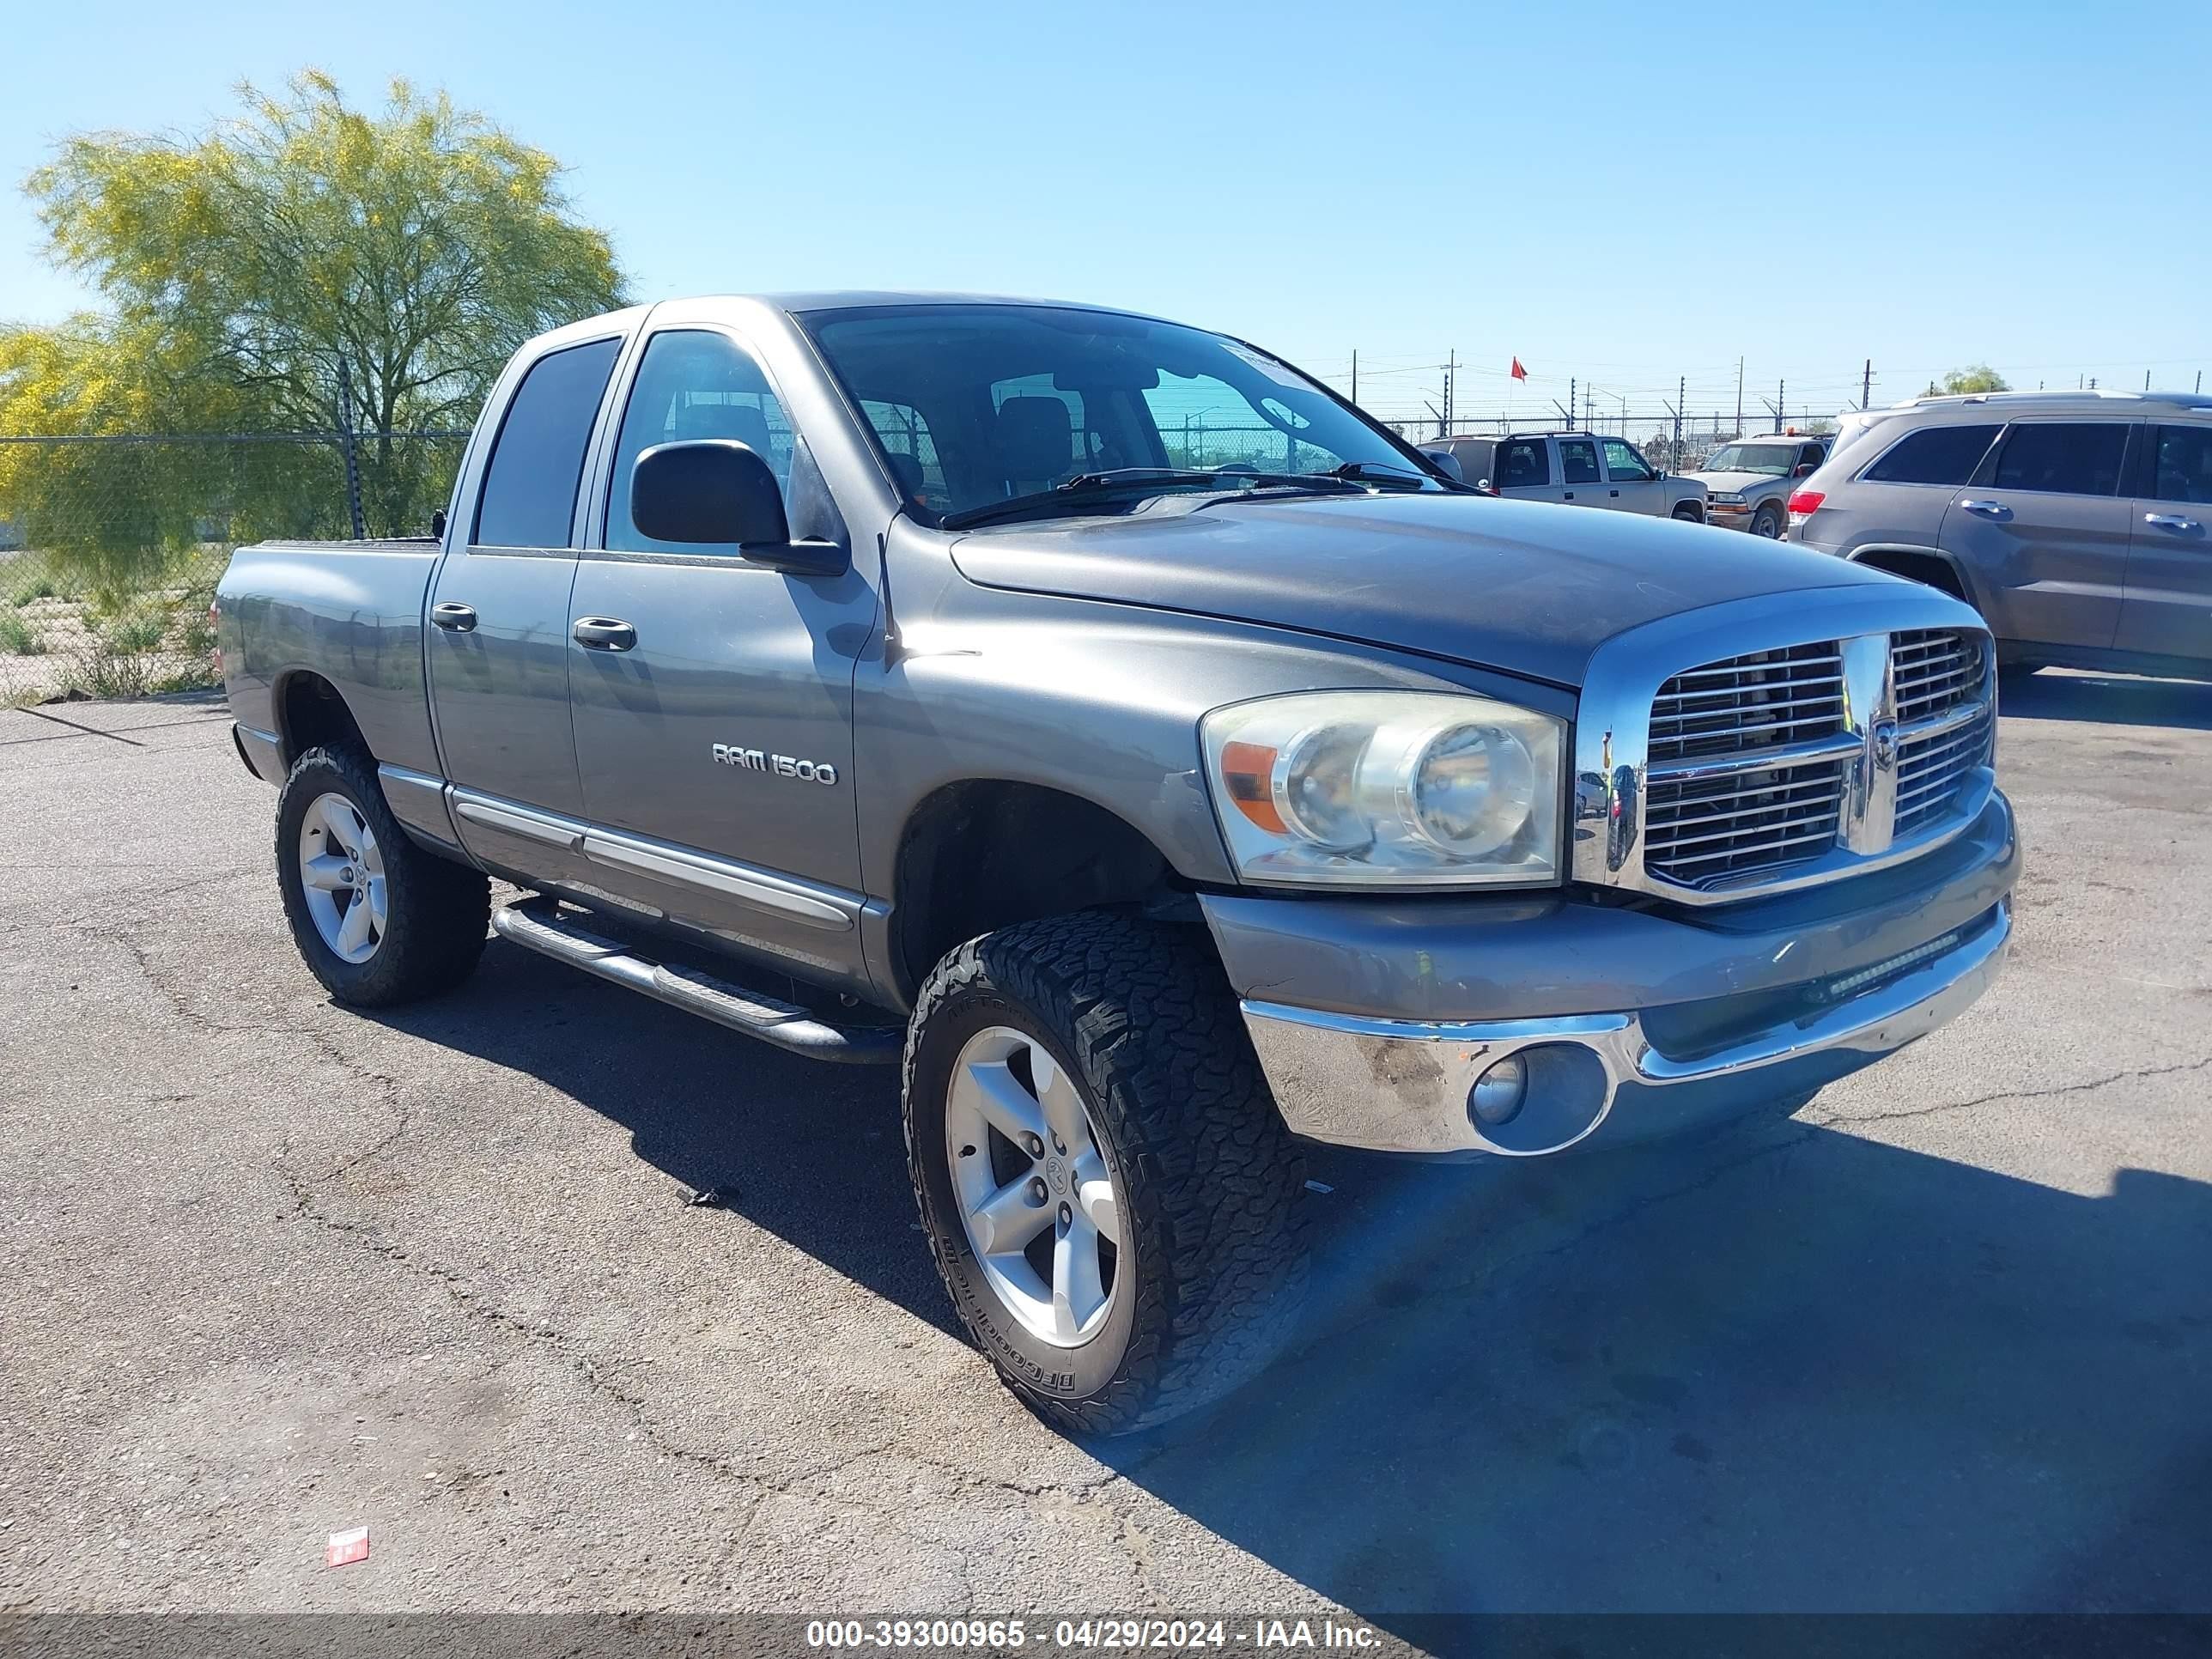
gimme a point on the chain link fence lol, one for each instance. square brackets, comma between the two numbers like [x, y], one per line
[111, 547]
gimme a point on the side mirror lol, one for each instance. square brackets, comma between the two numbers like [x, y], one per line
[1803, 470]
[716, 491]
[1446, 462]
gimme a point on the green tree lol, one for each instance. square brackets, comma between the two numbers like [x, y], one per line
[1975, 377]
[421, 244]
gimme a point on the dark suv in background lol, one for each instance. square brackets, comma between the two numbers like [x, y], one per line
[2075, 522]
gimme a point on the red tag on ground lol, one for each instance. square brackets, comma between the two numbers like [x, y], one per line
[347, 1546]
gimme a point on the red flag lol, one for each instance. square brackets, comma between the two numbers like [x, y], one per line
[1519, 373]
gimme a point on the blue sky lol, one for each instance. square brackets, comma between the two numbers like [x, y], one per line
[1623, 194]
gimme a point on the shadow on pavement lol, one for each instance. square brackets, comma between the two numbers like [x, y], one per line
[1783, 1368]
[2108, 699]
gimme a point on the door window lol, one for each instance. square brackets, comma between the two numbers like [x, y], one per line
[1623, 465]
[2064, 458]
[1578, 461]
[911, 449]
[2183, 467]
[529, 496]
[1933, 455]
[1523, 463]
[693, 383]
[1811, 456]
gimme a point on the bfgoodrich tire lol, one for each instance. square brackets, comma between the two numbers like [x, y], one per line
[376, 919]
[1108, 1189]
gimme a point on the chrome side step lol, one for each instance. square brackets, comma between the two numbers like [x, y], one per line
[537, 924]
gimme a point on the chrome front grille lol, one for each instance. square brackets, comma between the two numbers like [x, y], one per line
[1937, 675]
[1728, 791]
[1934, 671]
[1771, 744]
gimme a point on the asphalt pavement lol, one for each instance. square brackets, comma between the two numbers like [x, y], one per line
[576, 1302]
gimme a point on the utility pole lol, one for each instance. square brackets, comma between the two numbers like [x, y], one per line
[1681, 396]
[345, 441]
[1451, 372]
[1866, 387]
[1781, 403]
[1355, 374]
[2146, 380]
[1739, 396]
[1571, 400]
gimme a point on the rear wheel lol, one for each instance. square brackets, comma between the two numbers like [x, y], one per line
[376, 919]
[1107, 1189]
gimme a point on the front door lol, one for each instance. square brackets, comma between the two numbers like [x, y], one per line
[2045, 531]
[712, 697]
[2167, 612]
[1632, 486]
[498, 643]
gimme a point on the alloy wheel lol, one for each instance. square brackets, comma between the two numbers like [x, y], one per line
[341, 877]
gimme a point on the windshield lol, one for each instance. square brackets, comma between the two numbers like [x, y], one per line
[980, 406]
[1773, 459]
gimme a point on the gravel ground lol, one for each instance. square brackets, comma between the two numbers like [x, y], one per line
[270, 1270]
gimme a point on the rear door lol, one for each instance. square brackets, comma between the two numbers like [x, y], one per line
[712, 696]
[498, 645]
[1581, 480]
[1632, 483]
[2167, 611]
[2042, 530]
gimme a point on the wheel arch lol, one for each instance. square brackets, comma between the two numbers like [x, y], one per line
[983, 853]
[311, 712]
[1930, 565]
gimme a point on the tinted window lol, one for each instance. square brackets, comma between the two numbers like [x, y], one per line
[693, 384]
[2064, 458]
[1935, 454]
[1812, 455]
[1623, 464]
[1579, 460]
[538, 460]
[2183, 466]
[1524, 462]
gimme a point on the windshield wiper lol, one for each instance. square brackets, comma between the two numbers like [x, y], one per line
[1382, 472]
[1143, 477]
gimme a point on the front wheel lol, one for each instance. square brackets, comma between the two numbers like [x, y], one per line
[1687, 512]
[1767, 522]
[1109, 1191]
[376, 919]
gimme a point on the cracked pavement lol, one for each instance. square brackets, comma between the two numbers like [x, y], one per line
[270, 1270]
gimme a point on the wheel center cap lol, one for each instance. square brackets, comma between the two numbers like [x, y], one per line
[1056, 1173]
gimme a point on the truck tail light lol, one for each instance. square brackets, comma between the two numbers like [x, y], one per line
[1807, 502]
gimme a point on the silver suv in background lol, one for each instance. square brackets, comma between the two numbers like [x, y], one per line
[1579, 468]
[1748, 483]
[2075, 522]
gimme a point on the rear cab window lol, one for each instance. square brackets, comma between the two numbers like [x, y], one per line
[537, 467]
[1934, 455]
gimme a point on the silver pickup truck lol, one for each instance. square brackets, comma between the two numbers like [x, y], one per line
[1161, 762]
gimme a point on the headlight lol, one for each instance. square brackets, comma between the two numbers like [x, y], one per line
[1386, 789]
[1733, 497]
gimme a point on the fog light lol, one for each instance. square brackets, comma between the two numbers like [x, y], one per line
[1498, 1092]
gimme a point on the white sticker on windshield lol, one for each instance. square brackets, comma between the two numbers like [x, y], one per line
[1280, 373]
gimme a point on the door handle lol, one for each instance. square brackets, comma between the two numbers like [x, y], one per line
[455, 618]
[603, 634]
[1616, 492]
[2170, 521]
[1568, 496]
[1994, 510]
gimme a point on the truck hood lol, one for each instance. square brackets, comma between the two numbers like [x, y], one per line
[1719, 481]
[1524, 587]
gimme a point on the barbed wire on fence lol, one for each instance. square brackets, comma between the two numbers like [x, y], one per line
[111, 545]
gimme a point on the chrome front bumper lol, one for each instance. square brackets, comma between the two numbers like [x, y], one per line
[1404, 1085]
